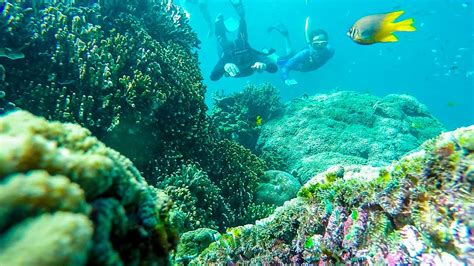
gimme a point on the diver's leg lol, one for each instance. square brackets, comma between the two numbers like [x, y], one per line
[243, 30]
[220, 30]
[281, 28]
[207, 17]
[239, 7]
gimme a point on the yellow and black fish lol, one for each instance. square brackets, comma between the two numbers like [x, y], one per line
[258, 121]
[379, 28]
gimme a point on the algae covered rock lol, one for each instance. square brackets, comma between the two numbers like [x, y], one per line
[67, 199]
[192, 243]
[346, 128]
[276, 187]
[418, 210]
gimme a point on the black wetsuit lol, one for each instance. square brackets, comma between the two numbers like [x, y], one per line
[238, 52]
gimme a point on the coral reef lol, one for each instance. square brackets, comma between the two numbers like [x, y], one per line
[192, 243]
[237, 172]
[239, 116]
[416, 211]
[68, 199]
[5, 105]
[60, 238]
[117, 75]
[198, 202]
[346, 128]
[276, 187]
[127, 71]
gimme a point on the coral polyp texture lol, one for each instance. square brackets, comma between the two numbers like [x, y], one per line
[67, 199]
[128, 71]
[240, 116]
[417, 211]
[118, 68]
[314, 133]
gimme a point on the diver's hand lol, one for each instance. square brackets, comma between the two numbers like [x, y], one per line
[231, 69]
[291, 82]
[259, 66]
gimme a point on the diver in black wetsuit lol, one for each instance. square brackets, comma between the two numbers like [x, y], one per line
[237, 58]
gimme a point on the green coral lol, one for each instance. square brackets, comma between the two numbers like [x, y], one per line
[237, 172]
[346, 128]
[192, 243]
[128, 71]
[110, 73]
[413, 211]
[59, 178]
[234, 117]
[194, 195]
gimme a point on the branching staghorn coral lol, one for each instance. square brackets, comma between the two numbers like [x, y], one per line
[423, 217]
[53, 173]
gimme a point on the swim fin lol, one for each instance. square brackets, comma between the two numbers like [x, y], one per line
[239, 7]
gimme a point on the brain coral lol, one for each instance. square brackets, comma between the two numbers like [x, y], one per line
[416, 211]
[346, 128]
[67, 199]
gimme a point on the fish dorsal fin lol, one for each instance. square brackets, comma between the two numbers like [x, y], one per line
[389, 38]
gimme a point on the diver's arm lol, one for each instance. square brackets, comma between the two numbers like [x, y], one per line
[218, 70]
[270, 66]
[293, 62]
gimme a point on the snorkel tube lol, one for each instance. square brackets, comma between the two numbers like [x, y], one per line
[306, 30]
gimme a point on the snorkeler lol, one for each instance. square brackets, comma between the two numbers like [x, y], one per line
[308, 59]
[203, 7]
[237, 58]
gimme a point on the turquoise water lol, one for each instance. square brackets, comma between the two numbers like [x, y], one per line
[434, 63]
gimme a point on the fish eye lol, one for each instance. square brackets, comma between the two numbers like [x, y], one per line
[349, 32]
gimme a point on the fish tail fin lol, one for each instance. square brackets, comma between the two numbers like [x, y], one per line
[389, 26]
[405, 25]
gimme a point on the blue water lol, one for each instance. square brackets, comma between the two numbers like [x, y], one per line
[434, 64]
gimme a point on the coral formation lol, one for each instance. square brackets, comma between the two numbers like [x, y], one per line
[5, 105]
[236, 171]
[239, 116]
[116, 75]
[415, 211]
[198, 202]
[276, 187]
[68, 199]
[59, 238]
[192, 243]
[127, 71]
[346, 128]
